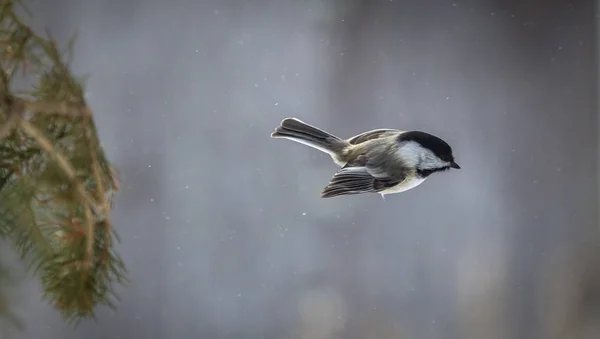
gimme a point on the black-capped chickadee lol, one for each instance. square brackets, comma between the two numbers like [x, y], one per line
[383, 161]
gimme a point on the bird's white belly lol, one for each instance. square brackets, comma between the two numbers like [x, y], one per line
[403, 186]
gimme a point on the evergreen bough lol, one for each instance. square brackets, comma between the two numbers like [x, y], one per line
[56, 185]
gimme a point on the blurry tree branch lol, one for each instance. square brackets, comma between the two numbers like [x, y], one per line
[56, 185]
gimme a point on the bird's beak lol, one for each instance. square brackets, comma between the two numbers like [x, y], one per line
[454, 165]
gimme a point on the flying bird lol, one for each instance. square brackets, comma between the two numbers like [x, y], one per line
[383, 161]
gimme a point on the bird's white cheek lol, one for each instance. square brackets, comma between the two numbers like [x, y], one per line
[430, 161]
[410, 154]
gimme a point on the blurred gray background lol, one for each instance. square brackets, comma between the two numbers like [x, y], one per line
[222, 228]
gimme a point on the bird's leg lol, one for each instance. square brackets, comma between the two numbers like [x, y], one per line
[382, 196]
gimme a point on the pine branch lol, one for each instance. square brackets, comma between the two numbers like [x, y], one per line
[56, 185]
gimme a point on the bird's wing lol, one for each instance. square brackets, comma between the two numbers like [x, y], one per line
[357, 180]
[369, 135]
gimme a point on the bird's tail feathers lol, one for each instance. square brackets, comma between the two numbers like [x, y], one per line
[301, 132]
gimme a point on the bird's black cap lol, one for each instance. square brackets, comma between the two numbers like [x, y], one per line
[438, 146]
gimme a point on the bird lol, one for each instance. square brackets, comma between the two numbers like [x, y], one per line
[382, 161]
